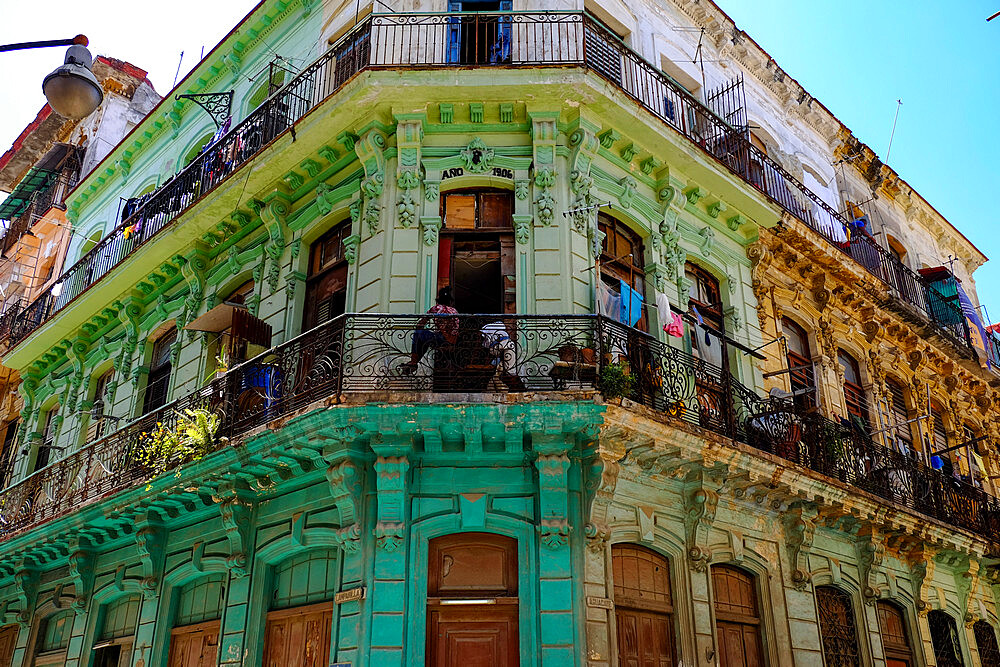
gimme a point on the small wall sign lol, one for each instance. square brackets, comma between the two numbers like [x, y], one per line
[600, 603]
[350, 595]
[496, 172]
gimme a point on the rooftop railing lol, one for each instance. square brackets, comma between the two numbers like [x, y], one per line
[502, 39]
[373, 356]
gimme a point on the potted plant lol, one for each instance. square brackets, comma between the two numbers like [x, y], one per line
[616, 381]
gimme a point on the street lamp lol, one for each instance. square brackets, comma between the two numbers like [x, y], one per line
[71, 89]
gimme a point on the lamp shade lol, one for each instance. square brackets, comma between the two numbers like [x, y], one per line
[72, 89]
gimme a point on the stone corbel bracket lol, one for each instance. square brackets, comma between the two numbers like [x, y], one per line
[870, 547]
[237, 519]
[26, 584]
[150, 541]
[82, 562]
[800, 530]
[346, 479]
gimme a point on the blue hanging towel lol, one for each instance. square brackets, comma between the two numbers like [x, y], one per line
[631, 304]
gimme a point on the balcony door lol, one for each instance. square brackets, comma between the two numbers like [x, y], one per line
[326, 287]
[479, 40]
[476, 251]
[472, 604]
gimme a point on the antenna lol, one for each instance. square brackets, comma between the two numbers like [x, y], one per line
[899, 103]
[993, 17]
[178, 72]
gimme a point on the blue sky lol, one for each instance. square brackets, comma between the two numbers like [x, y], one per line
[941, 58]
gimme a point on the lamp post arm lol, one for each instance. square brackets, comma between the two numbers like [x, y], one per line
[20, 46]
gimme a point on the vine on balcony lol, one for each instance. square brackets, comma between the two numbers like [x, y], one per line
[191, 439]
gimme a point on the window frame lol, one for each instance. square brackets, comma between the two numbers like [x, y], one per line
[322, 268]
[836, 639]
[159, 372]
[855, 396]
[806, 377]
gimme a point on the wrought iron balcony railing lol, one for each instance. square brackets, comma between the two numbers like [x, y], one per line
[503, 39]
[489, 354]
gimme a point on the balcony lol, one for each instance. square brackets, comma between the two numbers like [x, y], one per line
[504, 39]
[358, 358]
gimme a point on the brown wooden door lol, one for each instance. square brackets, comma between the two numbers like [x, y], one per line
[643, 606]
[472, 604]
[299, 637]
[737, 618]
[8, 639]
[739, 645]
[473, 636]
[194, 645]
[644, 639]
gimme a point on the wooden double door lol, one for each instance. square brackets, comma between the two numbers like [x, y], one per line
[299, 637]
[194, 645]
[472, 604]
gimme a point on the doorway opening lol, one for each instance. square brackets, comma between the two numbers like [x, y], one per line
[476, 39]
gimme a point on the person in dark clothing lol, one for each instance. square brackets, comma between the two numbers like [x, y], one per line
[444, 331]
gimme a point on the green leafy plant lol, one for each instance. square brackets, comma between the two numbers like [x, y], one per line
[222, 361]
[165, 448]
[616, 381]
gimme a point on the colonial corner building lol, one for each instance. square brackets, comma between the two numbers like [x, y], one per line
[707, 398]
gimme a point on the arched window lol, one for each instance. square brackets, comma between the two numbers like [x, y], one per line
[705, 301]
[902, 436]
[101, 409]
[895, 638]
[836, 626]
[854, 393]
[986, 642]
[976, 474]
[114, 640]
[326, 287]
[275, 79]
[45, 448]
[940, 439]
[53, 638]
[158, 380]
[944, 639]
[194, 638]
[91, 241]
[196, 149]
[302, 588]
[472, 598]
[622, 259]
[644, 607]
[799, 359]
[737, 617]
[476, 250]
[897, 249]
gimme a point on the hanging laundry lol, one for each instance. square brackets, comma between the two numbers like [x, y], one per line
[706, 347]
[675, 327]
[631, 307]
[662, 307]
[672, 323]
[609, 304]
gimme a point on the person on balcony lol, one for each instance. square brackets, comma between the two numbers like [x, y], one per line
[444, 332]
